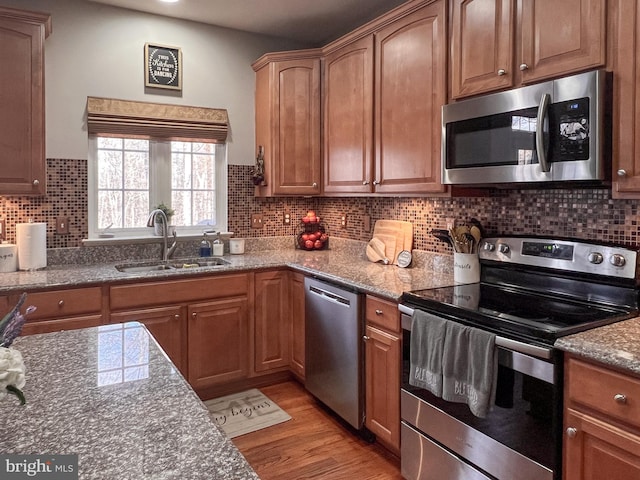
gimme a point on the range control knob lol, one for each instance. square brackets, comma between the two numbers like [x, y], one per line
[617, 260]
[503, 248]
[489, 247]
[595, 257]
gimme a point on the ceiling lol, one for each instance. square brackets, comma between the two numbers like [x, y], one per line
[312, 22]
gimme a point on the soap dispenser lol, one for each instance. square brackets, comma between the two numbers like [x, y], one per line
[205, 246]
[218, 246]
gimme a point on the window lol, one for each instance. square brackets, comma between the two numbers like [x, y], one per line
[144, 154]
[130, 176]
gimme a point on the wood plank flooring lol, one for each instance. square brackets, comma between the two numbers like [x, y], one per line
[314, 444]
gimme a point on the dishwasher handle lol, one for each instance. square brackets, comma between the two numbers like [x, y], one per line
[329, 296]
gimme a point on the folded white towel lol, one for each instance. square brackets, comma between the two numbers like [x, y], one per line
[426, 349]
[469, 368]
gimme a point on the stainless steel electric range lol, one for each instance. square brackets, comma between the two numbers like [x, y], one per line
[532, 291]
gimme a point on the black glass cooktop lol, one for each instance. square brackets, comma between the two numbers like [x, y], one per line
[519, 312]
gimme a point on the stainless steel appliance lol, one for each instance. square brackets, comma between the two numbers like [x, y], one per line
[548, 132]
[334, 352]
[532, 291]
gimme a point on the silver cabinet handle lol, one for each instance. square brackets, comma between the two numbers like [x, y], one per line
[502, 72]
[572, 432]
[366, 182]
[375, 182]
[365, 338]
[194, 315]
[36, 182]
[378, 312]
[622, 173]
[524, 66]
[61, 303]
[620, 398]
[177, 317]
[314, 185]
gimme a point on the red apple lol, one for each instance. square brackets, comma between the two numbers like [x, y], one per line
[306, 219]
[318, 244]
[324, 237]
[308, 245]
[305, 236]
[311, 213]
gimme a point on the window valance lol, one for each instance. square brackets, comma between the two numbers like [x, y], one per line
[108, 116]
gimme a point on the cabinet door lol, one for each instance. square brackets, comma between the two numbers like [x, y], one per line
[22, 132]
[559, 38]
[410, 89]
[625, 49]
[168, 327]
[297, 334]
[595, 450]
[481, 46]
[348, 118]
[218, 339]
[383, 371]
[272, 325]
[297, 123]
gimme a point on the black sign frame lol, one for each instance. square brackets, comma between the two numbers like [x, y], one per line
[162, 66]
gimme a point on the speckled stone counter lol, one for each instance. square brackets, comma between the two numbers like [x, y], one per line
[345, 263]
[110, 395]
[616, 345]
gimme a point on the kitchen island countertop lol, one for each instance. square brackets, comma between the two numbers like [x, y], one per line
[615, 345]
[110, 395]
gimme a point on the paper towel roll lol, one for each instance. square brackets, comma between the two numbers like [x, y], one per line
[8, 257]
[32, 245]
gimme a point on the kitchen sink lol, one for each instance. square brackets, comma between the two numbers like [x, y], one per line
[172, 265]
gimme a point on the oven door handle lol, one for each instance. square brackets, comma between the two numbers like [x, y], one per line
[515, 345]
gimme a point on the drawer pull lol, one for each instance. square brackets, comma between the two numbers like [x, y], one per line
[572, 432]
[61, 303]
[366, 338]
[620, 398]
[194, 315]
[379, 312]
[177, 317]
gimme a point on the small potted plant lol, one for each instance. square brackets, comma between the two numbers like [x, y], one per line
[158, 229]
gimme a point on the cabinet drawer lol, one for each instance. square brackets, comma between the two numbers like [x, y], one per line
[179, 291]
[601, 389]
[63, 303]
[383, 313]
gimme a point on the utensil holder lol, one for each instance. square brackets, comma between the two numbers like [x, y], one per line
[466, 268]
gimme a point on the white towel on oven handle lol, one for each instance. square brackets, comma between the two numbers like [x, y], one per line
[469, 367]
[426, 351]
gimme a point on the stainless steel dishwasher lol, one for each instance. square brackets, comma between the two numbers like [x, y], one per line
[334, 350]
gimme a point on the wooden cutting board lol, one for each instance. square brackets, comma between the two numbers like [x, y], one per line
[401, 230]
[376, 250]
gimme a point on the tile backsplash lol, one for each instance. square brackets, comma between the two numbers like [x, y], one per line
[585, 213]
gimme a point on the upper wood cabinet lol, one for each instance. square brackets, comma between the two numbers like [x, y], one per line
[348, 118]
[410, 89]
[383, 95]
[624, 45]
[494, 46]
[287, 102]
[22, 128]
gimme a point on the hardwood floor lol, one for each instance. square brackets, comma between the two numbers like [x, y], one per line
[314, 444]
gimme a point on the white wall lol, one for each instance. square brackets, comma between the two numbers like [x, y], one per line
[97, 50]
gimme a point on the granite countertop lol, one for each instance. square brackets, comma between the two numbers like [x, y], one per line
[110, 395]
[346, 266]
[616, 345]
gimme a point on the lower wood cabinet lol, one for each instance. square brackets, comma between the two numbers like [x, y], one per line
[168, 327]
[218, 338]
[58, 310]
[601, 423]
[383, 363]
[272, 321]
[297, 332]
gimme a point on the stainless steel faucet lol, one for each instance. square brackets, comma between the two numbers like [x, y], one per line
[167, 251]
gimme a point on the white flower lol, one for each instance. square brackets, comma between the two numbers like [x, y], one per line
[12, 370]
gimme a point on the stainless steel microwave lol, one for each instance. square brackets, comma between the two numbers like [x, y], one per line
[548, 132]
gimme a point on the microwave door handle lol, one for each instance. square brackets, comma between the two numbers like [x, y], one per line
[543, 108]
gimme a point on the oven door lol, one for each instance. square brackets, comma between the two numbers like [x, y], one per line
[520, 439]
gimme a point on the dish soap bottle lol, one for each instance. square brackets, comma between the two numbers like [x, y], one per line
[205, 246]
[218, 246]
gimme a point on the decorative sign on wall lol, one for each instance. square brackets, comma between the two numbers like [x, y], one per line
[162, 66]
